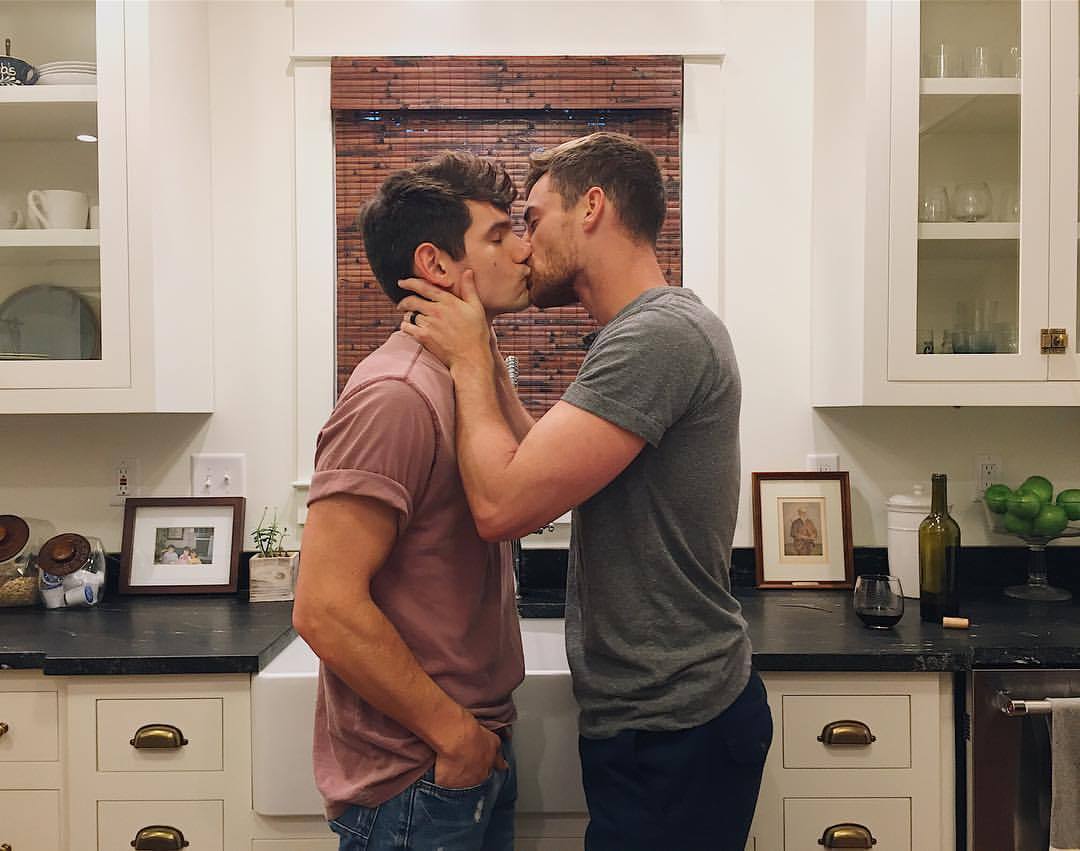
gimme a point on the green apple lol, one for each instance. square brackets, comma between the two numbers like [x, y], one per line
[997, 498]
[1041, 485]
[1050, 521]
[1018, 525]
[1070, 501]
[1024, 503]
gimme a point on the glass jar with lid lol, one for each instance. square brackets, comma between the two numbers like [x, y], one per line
[20, 540]
[72, 571]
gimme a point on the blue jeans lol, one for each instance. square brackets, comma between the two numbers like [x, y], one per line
[691, 790]
[426, 817]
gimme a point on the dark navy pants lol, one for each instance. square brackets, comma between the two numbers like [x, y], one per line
[690, 790]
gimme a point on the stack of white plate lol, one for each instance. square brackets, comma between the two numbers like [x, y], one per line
[67, 73]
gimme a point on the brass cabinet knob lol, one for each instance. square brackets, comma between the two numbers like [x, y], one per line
[158, 736]
[847, 835]
[4, 846]
[3, 729]
[159, 837]
[846, 733]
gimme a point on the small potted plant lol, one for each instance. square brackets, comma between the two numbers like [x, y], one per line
[273, 568]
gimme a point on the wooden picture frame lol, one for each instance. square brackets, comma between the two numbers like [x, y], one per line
[802, 530]
[203, 559]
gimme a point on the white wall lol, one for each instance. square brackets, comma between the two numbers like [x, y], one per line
[59, 467]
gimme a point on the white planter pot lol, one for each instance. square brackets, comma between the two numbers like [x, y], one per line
[273, 578]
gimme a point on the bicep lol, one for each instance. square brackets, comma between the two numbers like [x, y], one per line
[347, 539]
[567, 457]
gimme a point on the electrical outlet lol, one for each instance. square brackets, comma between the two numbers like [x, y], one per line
[218, 474]
[987, 472]
[823, 462]
[125, 481]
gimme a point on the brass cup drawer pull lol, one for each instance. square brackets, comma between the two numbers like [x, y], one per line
[847, 835]
[4, 846]
[3, 730]
[158, 737]
[159, 837]
[846, 733]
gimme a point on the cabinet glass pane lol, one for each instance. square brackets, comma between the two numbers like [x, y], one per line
[970, 38]
[967, 298]
[50, 278]
[969, 204]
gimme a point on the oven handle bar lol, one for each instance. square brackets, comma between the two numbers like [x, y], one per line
[1025, 707]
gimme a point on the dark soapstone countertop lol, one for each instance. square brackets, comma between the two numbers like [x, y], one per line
[151, 635]
[791, 631]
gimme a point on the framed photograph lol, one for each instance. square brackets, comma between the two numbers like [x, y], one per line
[183, 545]
[802, 530]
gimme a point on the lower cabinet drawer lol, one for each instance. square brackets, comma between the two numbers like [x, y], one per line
[197, 720]
[30, 724]
[809, 720]
[30, 821]
[201, 823]
[885, 823]
[329, 844]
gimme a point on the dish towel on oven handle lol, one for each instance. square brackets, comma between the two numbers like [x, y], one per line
[1065, 756]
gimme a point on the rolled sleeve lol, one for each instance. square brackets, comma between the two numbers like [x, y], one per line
[379, 442]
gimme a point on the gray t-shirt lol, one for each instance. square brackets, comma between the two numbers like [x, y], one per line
[654, 638]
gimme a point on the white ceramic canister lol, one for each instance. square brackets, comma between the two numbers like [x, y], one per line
[906, 511]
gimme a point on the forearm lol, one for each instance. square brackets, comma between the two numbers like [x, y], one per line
[361, 646]
[513, 411]
[486, 444]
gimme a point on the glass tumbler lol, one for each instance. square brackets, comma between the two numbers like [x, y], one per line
[879, 600]
[971, 201]
[934, 205]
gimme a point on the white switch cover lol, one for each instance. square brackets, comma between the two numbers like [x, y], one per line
[218, 474]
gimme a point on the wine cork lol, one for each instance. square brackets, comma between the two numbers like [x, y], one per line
[955, 623]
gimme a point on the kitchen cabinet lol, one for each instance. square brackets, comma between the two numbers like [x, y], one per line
[115, 317]
[946, 204]
[872, 751]
[30, 765]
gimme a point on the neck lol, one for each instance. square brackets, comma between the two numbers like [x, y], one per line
[617, 277]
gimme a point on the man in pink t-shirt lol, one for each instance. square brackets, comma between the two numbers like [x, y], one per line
[412, 614]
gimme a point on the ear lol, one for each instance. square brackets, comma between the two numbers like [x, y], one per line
[430, 263]
[594, 205]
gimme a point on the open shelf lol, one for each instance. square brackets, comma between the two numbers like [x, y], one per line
[47, 113]
[969, 230]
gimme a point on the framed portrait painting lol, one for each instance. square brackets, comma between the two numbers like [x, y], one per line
[802, 530]
[182, 545]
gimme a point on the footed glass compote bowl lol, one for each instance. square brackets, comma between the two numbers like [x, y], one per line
[1037, 587]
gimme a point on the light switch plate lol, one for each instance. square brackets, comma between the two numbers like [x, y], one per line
[219, 474]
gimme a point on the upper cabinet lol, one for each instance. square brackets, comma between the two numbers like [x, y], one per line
[959, 198]
[105, 266]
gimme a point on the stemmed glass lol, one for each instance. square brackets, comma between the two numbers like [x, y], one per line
[879, 600]
[971, 201]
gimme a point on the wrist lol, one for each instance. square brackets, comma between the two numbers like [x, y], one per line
[448, 736]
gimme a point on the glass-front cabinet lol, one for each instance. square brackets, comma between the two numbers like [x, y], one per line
[983, 196]
[105, 207]
[63, 247]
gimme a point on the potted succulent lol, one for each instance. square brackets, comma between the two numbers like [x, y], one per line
[272, 568]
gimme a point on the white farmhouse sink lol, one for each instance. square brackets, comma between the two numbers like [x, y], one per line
[545, 735]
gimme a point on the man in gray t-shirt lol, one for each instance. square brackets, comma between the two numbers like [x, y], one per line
[644, 446]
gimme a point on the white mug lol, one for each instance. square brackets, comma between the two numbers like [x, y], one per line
[57, 208]
[11, 217]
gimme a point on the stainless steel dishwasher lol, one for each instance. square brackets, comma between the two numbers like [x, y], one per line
[1009, 756]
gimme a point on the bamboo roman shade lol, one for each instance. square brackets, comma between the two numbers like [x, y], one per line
[393, 112]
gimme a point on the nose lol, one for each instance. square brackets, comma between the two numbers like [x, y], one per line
[524, 249]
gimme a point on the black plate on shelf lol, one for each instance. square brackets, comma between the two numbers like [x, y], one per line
[17, 72]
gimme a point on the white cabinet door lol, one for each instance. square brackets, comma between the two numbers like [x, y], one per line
[30, 821]
[1064, 203]
[969, 197]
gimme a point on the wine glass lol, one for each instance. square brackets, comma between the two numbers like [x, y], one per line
[879, 600]
[971, 201]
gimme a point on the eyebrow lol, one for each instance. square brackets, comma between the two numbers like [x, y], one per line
[501, 225]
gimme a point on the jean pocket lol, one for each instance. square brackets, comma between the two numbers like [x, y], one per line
[750, 744]
[355, 826]
[428, 784]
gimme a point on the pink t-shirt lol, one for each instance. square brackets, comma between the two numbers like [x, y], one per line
[449, 594]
